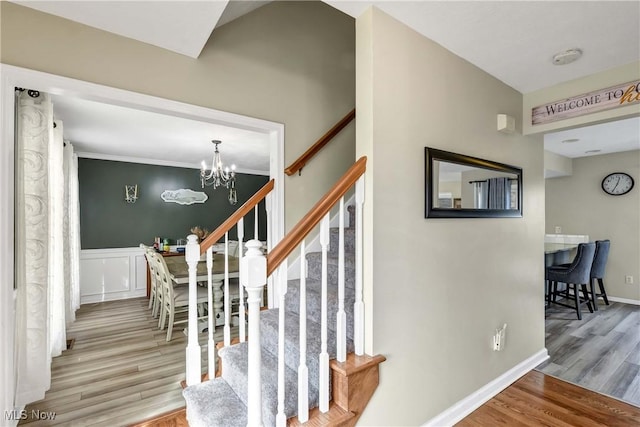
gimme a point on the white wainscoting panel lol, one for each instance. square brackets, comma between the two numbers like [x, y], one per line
[112, 274]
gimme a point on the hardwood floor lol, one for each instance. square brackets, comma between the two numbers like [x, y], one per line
[120, 370]
[601, 352]
[537, 399]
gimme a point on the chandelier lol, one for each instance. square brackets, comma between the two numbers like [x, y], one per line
[219, 176]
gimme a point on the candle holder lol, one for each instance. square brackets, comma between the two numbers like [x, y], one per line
[131, 193]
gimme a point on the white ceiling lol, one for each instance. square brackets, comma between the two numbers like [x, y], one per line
[117, 133]
[182, 26]
[604, 138]
[511, 40]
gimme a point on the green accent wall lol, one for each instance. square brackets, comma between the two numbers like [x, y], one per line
[108, 221]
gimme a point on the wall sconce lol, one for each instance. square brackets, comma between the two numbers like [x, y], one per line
[131, 193]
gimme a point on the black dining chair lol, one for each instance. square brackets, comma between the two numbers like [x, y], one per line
[597, 272]
[576, 276]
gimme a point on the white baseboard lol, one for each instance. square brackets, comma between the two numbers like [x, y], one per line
[624, 300]
[90, 299]
[472, 402]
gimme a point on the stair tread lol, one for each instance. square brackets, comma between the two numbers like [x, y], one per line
[235, 361]
[332, 258]
[214, 403]
[314, 291]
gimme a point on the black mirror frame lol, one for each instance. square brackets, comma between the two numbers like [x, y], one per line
[433, 154]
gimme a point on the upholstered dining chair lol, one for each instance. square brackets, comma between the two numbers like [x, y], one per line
[576, 276]
[175, 299]
[597, 272]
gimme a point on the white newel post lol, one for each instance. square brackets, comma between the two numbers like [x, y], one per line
[253, 275]
[192, 256]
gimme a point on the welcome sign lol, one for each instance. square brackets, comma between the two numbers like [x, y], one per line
[600, 100]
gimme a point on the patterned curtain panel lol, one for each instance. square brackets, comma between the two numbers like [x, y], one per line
[34, 134]
[47, 244]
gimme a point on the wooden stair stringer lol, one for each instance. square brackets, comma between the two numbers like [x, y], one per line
[353, 383]
[336, 416]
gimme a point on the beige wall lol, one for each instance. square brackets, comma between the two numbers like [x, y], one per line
[288, 62]
[557, 164]
[614, 76]
[436, 289]
[589, 210]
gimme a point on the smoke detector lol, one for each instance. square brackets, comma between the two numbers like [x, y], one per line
[567, 56]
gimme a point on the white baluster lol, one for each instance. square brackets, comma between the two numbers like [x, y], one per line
[324, 356]
[303, 370]
[341, 316]
[358, 306]
[267, 207]
[192, 256]
[227, 304]
[281, 417]
[255, 223]
[254, 277]
[242, 315]
[211, 346]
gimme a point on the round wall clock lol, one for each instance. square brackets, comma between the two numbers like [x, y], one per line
[617, 183]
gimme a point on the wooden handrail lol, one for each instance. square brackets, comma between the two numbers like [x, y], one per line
[313, 150]
[213, 238]
[282, 250]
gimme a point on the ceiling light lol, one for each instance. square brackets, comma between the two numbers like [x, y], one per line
[219, 175]
[567, 56]
[592, 151]
[570, 140]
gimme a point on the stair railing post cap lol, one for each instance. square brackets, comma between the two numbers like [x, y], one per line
[253, 266]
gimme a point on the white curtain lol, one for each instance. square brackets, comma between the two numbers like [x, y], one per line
[72, 233]
[57, 325]
[480, 194]
[45, 294]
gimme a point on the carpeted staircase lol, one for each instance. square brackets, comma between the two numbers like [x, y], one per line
[222, 401]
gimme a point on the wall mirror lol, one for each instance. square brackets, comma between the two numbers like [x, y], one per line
[459, 186]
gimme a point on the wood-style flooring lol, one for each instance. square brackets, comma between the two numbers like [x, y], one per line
[120, 370]
[537, 399]
[601, 352]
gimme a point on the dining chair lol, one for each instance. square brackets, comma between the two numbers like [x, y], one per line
[576, 276]
[597, 272]
[175, 299]
[153, 292]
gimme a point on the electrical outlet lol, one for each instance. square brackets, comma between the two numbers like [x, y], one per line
[558, 229]
[499, 338]
[628, 280]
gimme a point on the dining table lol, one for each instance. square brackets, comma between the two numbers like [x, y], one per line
[179, 273]
[179, 269]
